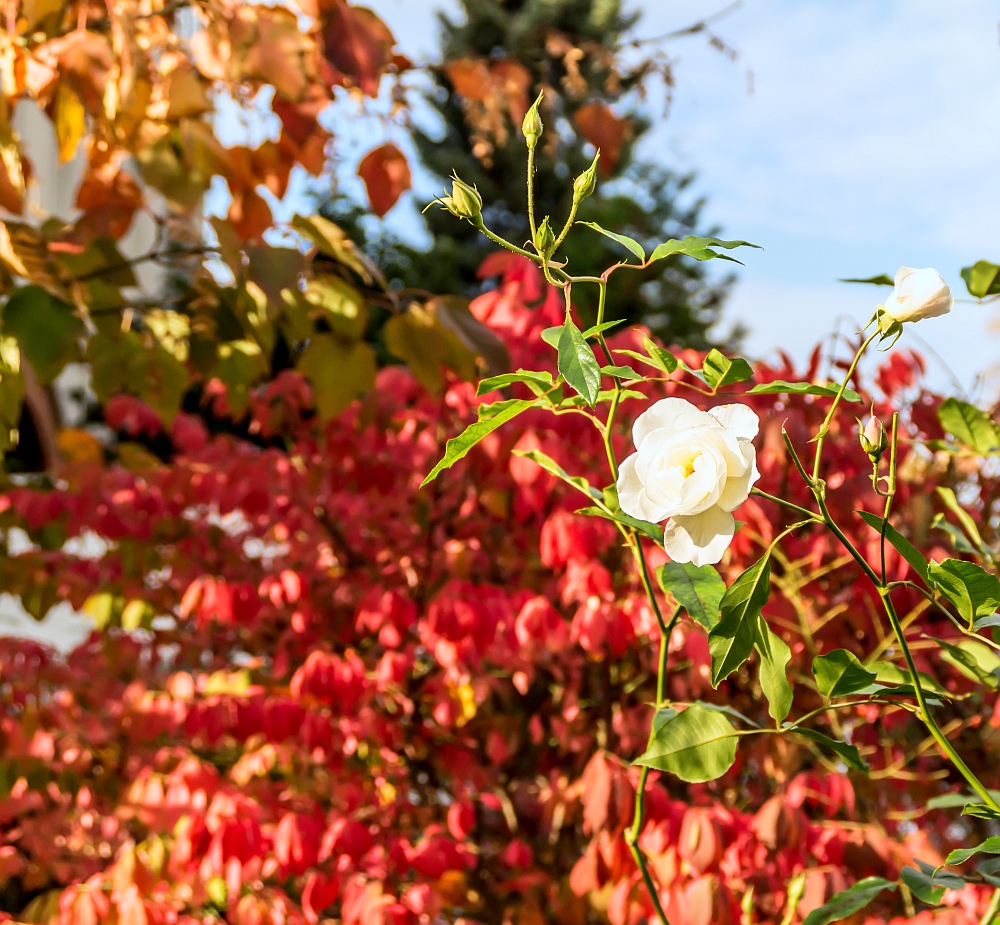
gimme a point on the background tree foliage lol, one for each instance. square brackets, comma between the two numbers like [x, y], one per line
[496, 57]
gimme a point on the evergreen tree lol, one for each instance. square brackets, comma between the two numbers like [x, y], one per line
[494, 61]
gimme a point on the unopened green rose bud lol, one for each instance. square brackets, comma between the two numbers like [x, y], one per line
[464, 201]
[532, 124]
[585, 184]
[545, 240]
[873, 438]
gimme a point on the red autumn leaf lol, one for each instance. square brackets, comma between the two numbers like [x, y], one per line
[513, 80]
[357, 45]
[387, 176]
[604, 130]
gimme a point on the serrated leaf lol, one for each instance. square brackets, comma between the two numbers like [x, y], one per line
[628, 243]
[662, 358]
[601, 328]
[781, 387]
[622, 372]
[839, 673]
[653, 531]
[883, 279]
[719, 370]
[696, 745]
[848, 901]
[901, 544]
[459, 446]
[976, 660]
[982, 279]
[577, 363]
[961, 855]
[698, 248]
[967, 424]
[847, 753]
[953, 800]
[929, 888]
[551, 466]
[968, 524]
[698, 589]
[774, 656]
[522, 375]
[732, 638]
[974, 591]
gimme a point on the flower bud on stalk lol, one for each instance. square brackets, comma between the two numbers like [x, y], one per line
[585, 184]
[464, 201]
[545, 240]
[532, 124]
[873, 438]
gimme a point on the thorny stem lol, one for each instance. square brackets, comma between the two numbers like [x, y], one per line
[890, 490]
[531, 191]
[994, 908]
[819, 492]
[833, 407]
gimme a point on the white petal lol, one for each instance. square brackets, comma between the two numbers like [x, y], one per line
[737, 488]
[699, 538]
[737, 419]
[671, 414]
[632, 496]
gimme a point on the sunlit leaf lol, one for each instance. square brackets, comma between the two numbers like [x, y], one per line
[696, 745]
[901, 544]
[459, 446]
[698, 589]
[967, 424]
[577, 363]
[719, 370]
[848, 901]
[974, 591]
[732, 639]
[839, 673]
[628, 243]
[780, 387]
[698, 248]
[982, 279]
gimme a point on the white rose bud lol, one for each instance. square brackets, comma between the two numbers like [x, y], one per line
[693, 467]
[918, 294]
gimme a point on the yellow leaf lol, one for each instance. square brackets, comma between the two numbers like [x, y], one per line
[77, 445]
[132, 615]
[98, 607]
[337, 372]
[425, 345]
[71, 122]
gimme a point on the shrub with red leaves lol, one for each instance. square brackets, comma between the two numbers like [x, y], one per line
[320, 691]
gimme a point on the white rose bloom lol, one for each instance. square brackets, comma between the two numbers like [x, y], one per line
[918, 294]
[694, 467]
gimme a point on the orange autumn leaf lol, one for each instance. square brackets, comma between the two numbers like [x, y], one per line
[470, 77]
[387, 176]
[514, 82]
[249, 214]
[604, 130]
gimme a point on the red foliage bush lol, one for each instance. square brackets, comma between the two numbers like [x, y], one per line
[323, 691]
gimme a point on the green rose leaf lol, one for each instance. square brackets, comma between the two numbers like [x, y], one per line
[847, 753]
[720, 370]
[781, 387]
[628, 243]
[848, 901]
[696, 745]
[459, 446]
[929, 885]
[774, 655]
[577, 363]
[967, 424]
[883, 279]
[974, 591]
[698, 248]
[698, 589]
[901, 544]
[541, 379]
[982, 279]
[551, 466]
[839, 673]
[961, 855]
[732, 639]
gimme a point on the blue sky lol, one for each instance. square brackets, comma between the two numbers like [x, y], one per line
[871, 139]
